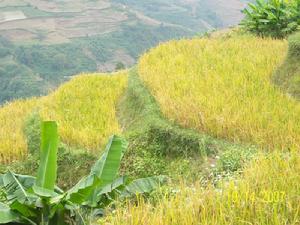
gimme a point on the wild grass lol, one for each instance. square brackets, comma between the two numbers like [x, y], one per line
[83, 107]
[222, 87]
[267, 193]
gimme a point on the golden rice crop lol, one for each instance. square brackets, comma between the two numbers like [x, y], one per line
[85, 109]
[222, 87]
[268, 193]
[12, 141]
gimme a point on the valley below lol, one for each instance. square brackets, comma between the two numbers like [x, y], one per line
[44, 43]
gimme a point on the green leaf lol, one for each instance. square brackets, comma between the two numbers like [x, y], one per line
[264, 20]
[117, 184]
[143, 185]
[83, 189]
[7, 215]
[102, 174]
[107, 167]
[25, 210]
[1, 180]
[46, 176]
[16, 186]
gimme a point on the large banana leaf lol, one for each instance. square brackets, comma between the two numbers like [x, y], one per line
[46, 176]
[6, 215]
[26, 181]
[16, 186]
[109, 193]
[107, 167]
[117, 185]
[102, 174]
[83, 189]
[121, 188]
[143, 185]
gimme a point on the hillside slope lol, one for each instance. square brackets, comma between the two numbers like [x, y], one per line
[223, 87]
[183, 93]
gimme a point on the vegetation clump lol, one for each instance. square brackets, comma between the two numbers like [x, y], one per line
[26, 199]
[274, 18]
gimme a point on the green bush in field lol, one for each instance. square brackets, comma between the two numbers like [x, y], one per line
[274, 18]
[120, 66]
[234, 159]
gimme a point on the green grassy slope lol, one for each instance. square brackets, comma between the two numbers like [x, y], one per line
[159, 146]
[288, 74]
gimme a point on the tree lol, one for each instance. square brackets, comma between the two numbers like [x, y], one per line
[120, 66]
[274, 18]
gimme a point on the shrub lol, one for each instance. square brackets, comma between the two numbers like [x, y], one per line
[275, 18]
[233, 159]
[120, 66]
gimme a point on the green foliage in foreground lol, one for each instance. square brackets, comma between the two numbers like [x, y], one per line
[288, 74]
[70, 166]
[30, 200]
[275, 18]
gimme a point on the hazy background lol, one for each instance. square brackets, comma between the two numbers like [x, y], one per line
[43, 43]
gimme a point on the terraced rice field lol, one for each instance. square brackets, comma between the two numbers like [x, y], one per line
[222, 87]
[84, 109]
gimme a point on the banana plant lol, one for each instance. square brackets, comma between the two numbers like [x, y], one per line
[275, 18]
[38, 201]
